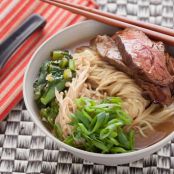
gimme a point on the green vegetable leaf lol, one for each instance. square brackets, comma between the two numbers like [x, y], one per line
[72, 65]
[50, 94]
[57, 131]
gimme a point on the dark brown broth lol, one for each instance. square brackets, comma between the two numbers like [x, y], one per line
[160, 132]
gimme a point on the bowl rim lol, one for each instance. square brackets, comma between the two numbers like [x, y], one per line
[62, 144]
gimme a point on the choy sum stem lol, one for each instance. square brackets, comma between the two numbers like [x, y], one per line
[50, 94]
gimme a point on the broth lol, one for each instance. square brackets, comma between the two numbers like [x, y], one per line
[160, 132]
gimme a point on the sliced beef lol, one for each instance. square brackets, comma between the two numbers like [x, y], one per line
[155, 93]
[144, 61]
[170, 67]
[170, 64]
[107, 49]
[145, 57]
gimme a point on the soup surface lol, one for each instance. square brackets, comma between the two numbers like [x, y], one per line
[160, 131]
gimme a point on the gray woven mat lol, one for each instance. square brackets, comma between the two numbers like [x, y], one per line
[25, 149]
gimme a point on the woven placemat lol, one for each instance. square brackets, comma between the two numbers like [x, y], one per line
[25, 149]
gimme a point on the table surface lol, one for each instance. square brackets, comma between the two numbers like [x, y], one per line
[24, 148]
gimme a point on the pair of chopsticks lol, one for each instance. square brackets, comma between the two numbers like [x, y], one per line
[154, 31]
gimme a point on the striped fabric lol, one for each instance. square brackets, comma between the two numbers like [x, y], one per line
[13, 12]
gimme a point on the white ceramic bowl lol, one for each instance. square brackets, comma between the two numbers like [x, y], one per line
[63, 39]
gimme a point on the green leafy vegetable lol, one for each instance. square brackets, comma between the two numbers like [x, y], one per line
[67, 74]
[50, 112]
[64, 63]
[100, 126]
[50, 93]
[51, 77]
[72, 65]
[57, 131]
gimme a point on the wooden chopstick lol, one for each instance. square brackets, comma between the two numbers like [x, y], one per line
[113, 22]
[150, 26]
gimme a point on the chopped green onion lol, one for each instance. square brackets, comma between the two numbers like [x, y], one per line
[83, 129]
[122, 138]
[118, 150]
[101, 131]
[100, 145]
[99, 122]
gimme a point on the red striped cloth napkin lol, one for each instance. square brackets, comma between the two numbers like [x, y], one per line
[13, 12]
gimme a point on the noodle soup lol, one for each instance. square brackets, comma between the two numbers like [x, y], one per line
[62, 40]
